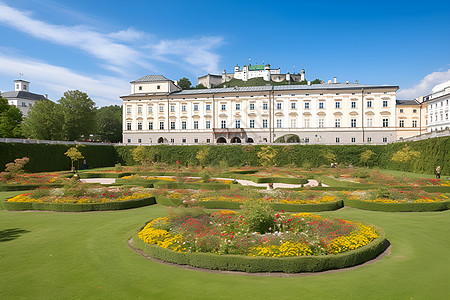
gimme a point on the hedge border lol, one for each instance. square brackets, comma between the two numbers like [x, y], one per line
[276, 206]
[267, 264]
[26, 187]
[399, 207]
[78, 207]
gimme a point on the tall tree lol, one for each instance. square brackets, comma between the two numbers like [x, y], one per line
[184, 83]
[10, 120]
[109, 123]
[79, 113]
[44, 121]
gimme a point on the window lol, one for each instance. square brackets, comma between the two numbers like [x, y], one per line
[353, 140]
[139, 125]
[128, 109]
[161, 125]
[369, 103]
[369, 139]
[139, 141]
[183, 140]
[385, 122]
[196, 141]
[150, 125]
[306, 105]
[321, 104]
[183, 124]
[264, 106]
[337, 123]
[208, 106]
[338, 140]
[172, 108]
[385, 103]
[172, 125]
[195, 107]
[150, 109]
[238, 123]
[140, 88]
[278, 105]
[401, 123]
[414, 111]
[306, 122]
[208, 141]
[129, 140]
[139, 109]
[353, 104]
[252, 106]
[414, 123]
[223, 124]
[183, 107]
[158, 87]
[401, 110]
[195, 124]
[172, 141]
[278, 123]
[208, 124]
[369, 123]
[307, 140]
[224, 107]
[293, 123]
[337, 104]
[252, 123]
[292, 95]
[293, 105]
[161, 108]
[353, 122]
[128, 125]
[24, 104]
[238, 106]
[321, 123]
[385, 140]
[264, 123]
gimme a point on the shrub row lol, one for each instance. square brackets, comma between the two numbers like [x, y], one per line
[25, 187]
[397, 207]
[78, 207]
[85, 175]
[190, 185]
[267, 264]
[276, 206]
[166, 201]
[281, 180]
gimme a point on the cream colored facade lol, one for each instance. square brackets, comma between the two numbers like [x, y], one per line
[411, 118]
[438, 107]
[333, 113]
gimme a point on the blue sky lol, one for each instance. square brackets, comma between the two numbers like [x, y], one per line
[100, 46]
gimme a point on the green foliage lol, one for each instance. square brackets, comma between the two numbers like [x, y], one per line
[362, 173]
[109, 124]
[202, 155]
[366, 157]
[329, 157]
[184, 83]
[316, 81]
[44, 121]
[259, 216]
[397, 207]
[14, 168]
[10, 120]
[74, 154]
[405, 155]
[200, 86]
[266, 156]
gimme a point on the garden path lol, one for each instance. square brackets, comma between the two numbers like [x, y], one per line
[311, 182]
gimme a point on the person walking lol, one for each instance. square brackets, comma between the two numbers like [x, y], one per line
[438, 172]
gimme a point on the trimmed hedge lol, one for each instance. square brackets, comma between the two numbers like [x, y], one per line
[166, 201]
[26, 187]
[276, 206]
[78, 207]
[281, 180]
[84, 175]
[187, 185]
[398, 207]
[267, 264]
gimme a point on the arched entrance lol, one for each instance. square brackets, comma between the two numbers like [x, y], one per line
[160, 140]
[235, 140]
[250, 140]
[221, 140]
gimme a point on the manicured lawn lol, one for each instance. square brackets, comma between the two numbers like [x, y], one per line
[47, 255]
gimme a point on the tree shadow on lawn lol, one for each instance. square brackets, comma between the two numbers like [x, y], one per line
[11, 234]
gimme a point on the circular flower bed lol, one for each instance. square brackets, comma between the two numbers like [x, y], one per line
[258, 232]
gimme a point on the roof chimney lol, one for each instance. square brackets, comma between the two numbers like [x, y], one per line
[309, 82]
[329, 81]
[347, 82]
[356, 81]
[335, 79]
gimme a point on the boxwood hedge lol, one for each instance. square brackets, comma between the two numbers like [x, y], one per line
[396, 207]
[78, 207]
[267, 264]
[276, 206]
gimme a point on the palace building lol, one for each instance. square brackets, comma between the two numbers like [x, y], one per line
[158, 111]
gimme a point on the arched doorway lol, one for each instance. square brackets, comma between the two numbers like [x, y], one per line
[221, 140]
[160, 140]
[235, 140]
[250, 140]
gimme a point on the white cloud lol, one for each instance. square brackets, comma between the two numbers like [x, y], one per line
[55, 80]
[128, 35]
[425, 85]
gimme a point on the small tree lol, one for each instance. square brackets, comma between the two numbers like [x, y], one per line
[365, 157]
[329, 156]
[14, 168]
[202, 155]
[267, 156]
[74, 154]
[405, 155]
[184, 83]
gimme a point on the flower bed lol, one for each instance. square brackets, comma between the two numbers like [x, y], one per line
[80, 199]
[227, 240]
[31, 181]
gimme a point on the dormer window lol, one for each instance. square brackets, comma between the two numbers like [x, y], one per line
[24, 86]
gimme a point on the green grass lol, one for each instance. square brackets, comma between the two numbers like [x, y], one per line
[86, 256]
[404, 174]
